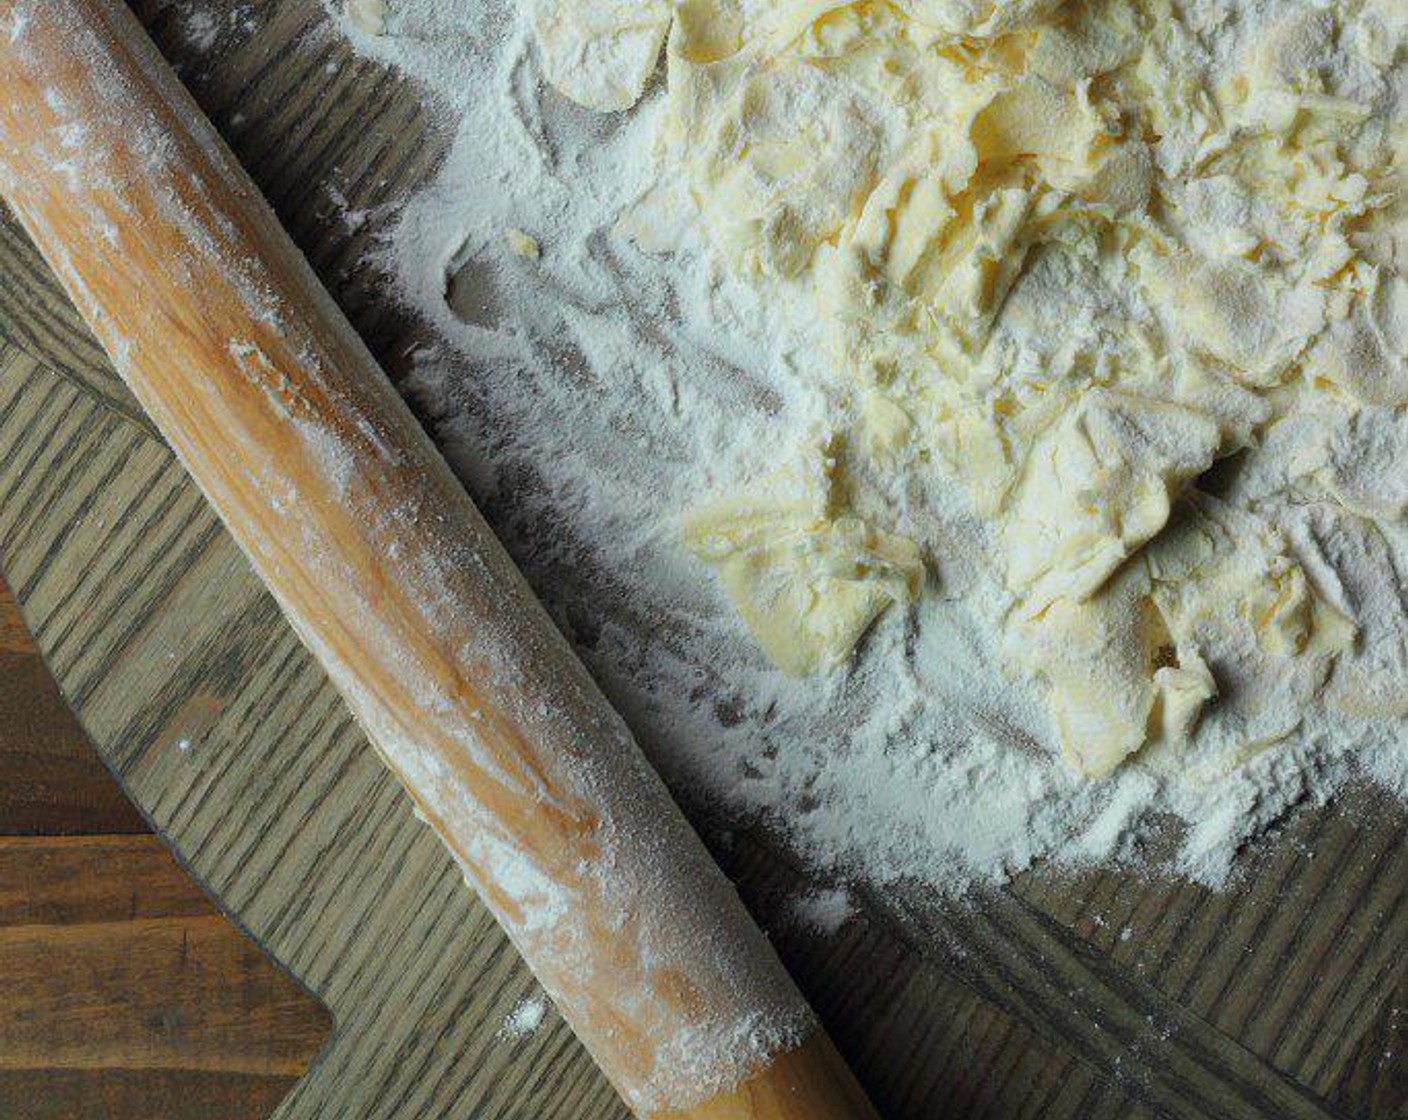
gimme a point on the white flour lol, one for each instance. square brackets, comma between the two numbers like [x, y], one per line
[589, 394]
[824, 911]
[526, 1017]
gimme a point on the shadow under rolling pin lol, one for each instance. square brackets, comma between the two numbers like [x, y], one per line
[393, 580]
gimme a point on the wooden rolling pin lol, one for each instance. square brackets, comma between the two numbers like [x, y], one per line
[391, 577]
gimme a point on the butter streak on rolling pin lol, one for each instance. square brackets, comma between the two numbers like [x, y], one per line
[391, 577]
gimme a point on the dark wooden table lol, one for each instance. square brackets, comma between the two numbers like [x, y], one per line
[123, 991]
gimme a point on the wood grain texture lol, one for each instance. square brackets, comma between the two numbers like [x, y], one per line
[50, 779]
[14, 638]
[63, 881]
[177, 1008]
[1279, 997]
[162, 1094]
[125, 992]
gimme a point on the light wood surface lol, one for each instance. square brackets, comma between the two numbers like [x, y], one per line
[126, 993]
[392, 579]
[1277, 998]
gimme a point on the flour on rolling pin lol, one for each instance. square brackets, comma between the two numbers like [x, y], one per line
[590, 395]
[531, 780]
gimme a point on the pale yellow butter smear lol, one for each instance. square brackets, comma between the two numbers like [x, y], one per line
[1069, 257]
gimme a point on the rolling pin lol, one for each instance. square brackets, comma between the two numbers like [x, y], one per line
[392, 579]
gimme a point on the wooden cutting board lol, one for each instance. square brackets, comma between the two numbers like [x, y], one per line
[1065, 996]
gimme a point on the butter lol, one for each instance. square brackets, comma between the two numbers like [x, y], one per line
[600, 53]
[806, 574]
[522, 244]
[1069, 256]
[1097, 488]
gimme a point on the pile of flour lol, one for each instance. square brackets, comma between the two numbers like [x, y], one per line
[588, 393]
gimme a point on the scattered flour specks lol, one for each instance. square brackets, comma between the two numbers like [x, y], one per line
[824, 911]
[526, 1017]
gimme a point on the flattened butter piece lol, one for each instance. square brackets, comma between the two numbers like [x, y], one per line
[1367, 351]
[1236, 313]
[1224, 569]
[1181, 692]
[775, 163]
[807, 577]
[977, 19]
[1371, 674]
[600, 53]
[1097, 488]
[1035, 118]
[1117, 681]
